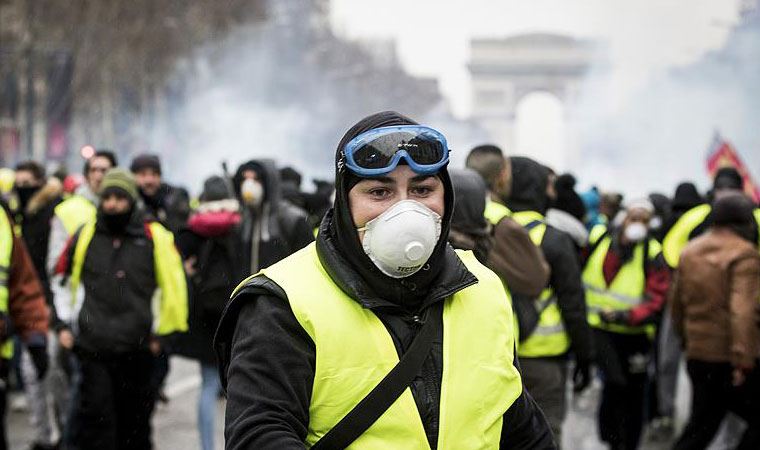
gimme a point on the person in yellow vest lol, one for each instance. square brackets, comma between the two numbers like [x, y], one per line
[692, 224]
[304, 344]
[23, 310]
[626, 281]
[521, 264]
[116, 266]
[553, 324]
[698, 220]
[81, 207]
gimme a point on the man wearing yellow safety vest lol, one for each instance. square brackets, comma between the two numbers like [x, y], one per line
[379, 335]
[626, 281]
[692, 224]
[552, 324]
[513, 256]
[115, 266]
[22, 309]
[80, 207]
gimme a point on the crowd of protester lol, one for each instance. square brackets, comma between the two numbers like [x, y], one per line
[106, 275]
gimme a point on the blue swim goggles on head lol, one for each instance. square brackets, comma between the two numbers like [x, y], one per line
[377, 152]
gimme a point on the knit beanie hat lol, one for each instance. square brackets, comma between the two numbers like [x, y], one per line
[121, 180]
[567, 199]
[215, 188]
[146, 161]
[733, 209]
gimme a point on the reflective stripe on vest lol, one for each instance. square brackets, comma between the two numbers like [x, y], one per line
[354, 351]
[495, 211]
[170, 277]
[626, 290]
[549, 337]
[75, 212]
[6, 253]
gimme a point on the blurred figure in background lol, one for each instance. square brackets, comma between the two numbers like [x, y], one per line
[662, 213]
[115, 267]
[166, 204]
[685, 198]
[471, 231]
[37, 197]
[290, 185]
[519, 262]
[626, 281]
[591, 199]
[715, 310]
[553, 324]
[271, 228]
[610, 204]
[210, 247]
[567, 212]
[22, 311]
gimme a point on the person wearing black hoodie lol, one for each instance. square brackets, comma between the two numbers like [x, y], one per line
[556, 321]
[303, 342]
[272, 228]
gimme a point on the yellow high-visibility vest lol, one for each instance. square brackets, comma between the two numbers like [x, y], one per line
[75, 212]
[354, 352]
[495, 211]
[6, 253]
[549, 337]
[170, 276]
[678, 236]
[627, 289]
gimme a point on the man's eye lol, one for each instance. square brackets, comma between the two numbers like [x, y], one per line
[422, 190]
[378, 193]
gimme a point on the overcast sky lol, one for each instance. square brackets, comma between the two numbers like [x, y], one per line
[645, 36]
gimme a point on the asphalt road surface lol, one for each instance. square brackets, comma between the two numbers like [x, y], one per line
[174, 424]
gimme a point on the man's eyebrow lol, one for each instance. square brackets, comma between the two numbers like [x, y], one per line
[421, 178]
[386, 180]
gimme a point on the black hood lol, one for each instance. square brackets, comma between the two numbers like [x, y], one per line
[266, 173]
[529, 182]
[341, 233]
[470, 202]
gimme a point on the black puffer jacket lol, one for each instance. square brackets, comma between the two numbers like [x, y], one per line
[529, 182]
[267, 361]
[277, 228]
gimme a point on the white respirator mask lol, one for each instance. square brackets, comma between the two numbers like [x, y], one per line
[252, 192]
[636, 232]
[400, 240]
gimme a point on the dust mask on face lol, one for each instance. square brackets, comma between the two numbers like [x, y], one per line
[636, 232]
[252, 192]
[400, 240]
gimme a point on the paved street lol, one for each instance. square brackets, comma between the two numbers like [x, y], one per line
[175, 423]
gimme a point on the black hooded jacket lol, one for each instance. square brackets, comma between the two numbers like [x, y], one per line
[281, 227]
[529, 182]
[267, 361]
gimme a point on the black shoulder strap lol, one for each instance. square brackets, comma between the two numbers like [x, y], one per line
[594, 245]
[371, 407]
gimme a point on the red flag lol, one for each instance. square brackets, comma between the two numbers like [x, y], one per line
[723, 154]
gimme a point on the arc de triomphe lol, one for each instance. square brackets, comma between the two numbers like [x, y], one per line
[504, 71]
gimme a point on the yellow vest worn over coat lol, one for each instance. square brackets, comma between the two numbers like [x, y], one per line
[627, 289]
[354, 351]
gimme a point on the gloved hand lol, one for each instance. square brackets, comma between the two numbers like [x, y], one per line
[581, 376]
[39, 359]
[615, 317]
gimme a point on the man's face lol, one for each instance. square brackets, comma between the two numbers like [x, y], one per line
[115, 203]
[25, 178]
[98, 167]
[148, 180]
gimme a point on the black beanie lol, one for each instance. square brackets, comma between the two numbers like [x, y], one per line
[215, 188]
[145, 161]
[733, 209]
[728, 178]
[567, 199]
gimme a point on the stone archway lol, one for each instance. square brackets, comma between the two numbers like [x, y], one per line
[504, 71]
